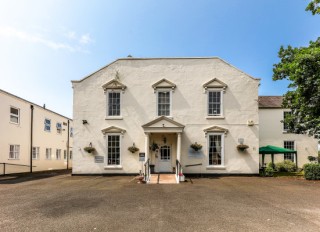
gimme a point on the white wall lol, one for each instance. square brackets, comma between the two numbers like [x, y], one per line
[271, 133]
[189, 107]
[19, 134]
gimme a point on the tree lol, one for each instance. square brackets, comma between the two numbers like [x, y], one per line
[301, 66]
[314, 7]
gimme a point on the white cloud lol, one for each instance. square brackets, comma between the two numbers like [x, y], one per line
[85, 39]
[40, 39]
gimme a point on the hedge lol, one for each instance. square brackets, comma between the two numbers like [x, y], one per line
[312, 171]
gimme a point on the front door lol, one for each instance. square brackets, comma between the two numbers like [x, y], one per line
[164, 157]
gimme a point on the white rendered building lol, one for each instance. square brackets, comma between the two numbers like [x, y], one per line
[31, 134]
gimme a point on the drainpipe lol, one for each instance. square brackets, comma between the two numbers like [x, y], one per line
[31, 137]
[68, 144]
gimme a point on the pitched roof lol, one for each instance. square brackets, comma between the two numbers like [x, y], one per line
[270, 101]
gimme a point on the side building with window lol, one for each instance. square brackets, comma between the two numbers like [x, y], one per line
[20, 145]
[273, 131]
[161, 106]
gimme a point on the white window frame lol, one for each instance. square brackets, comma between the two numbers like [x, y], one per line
[59, 130]
[107, 155]
[107, 110]
[14, 115]
[45, 124]
[35, 153]
[164, 90]
[65, 154]
[221, 115]
[15, 153]
[294, 148]
[58, 154]
[70, 155]
[222, 149]
[48, 153]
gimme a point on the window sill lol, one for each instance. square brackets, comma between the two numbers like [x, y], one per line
[14, 123]
[114, 118]
[215, 117]
[13, 159]
[212, 167]
[113, 167]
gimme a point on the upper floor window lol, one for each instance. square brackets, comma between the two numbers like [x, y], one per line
[14, 151]
[14, 115]
[59, 127]
[35, 153]
[215, 90]
[164, 103]
[114, 103]
[113, 90]
[71, 131]
[214, 103]
[47, 125]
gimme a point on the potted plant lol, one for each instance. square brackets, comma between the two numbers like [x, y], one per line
[89, 149]
[154, 146]
[133, 149]
[242, 147]
[196, 146]
[181, 177]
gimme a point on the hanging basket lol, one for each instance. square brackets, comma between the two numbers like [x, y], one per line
[242, 147]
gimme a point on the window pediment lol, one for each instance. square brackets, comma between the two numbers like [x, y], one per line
[113, 129]
[114, 84]
[215, 129]
[215, 84]
[164, 83]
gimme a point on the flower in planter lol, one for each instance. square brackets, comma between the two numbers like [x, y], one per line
[242, 147]
[133, 149]
[89, 149]
[196, 146]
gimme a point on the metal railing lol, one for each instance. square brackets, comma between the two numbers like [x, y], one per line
[147, 171]
[4, 169]
[178, 170]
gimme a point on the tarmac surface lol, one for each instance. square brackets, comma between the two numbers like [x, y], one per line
[95, 203]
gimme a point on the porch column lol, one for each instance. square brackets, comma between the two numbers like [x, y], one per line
[146, 144]
[179, 147]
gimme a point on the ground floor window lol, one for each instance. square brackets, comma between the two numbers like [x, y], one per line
[58, 154]
[48, 153]
[215, 143]
[70, 155]
[64, 154]
[165, 153]
[14, 152]
[289, 145]
[113, 149]
[35, 153]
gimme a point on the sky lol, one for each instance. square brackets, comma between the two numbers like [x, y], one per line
[46, 44]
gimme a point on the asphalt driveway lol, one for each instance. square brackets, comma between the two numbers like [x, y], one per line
[77, 203]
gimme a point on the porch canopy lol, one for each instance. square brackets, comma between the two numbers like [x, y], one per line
[275, 150]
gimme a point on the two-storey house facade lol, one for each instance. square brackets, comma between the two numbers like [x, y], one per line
[31, 135]
[162, 106]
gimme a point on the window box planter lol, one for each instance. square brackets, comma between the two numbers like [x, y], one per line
[196, 146]
[89, 149]
[242, 147]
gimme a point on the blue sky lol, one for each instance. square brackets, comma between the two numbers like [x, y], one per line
[45, 44]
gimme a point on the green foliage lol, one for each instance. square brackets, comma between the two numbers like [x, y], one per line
[314, 7]
[268, 171]
[301, 66]
[286, 166]
[312, 171]
[196, 146]
[89, 149]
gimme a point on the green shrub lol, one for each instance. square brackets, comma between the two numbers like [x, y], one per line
[286, 166]
[270, 165]
[268, 171]
[312, 171]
